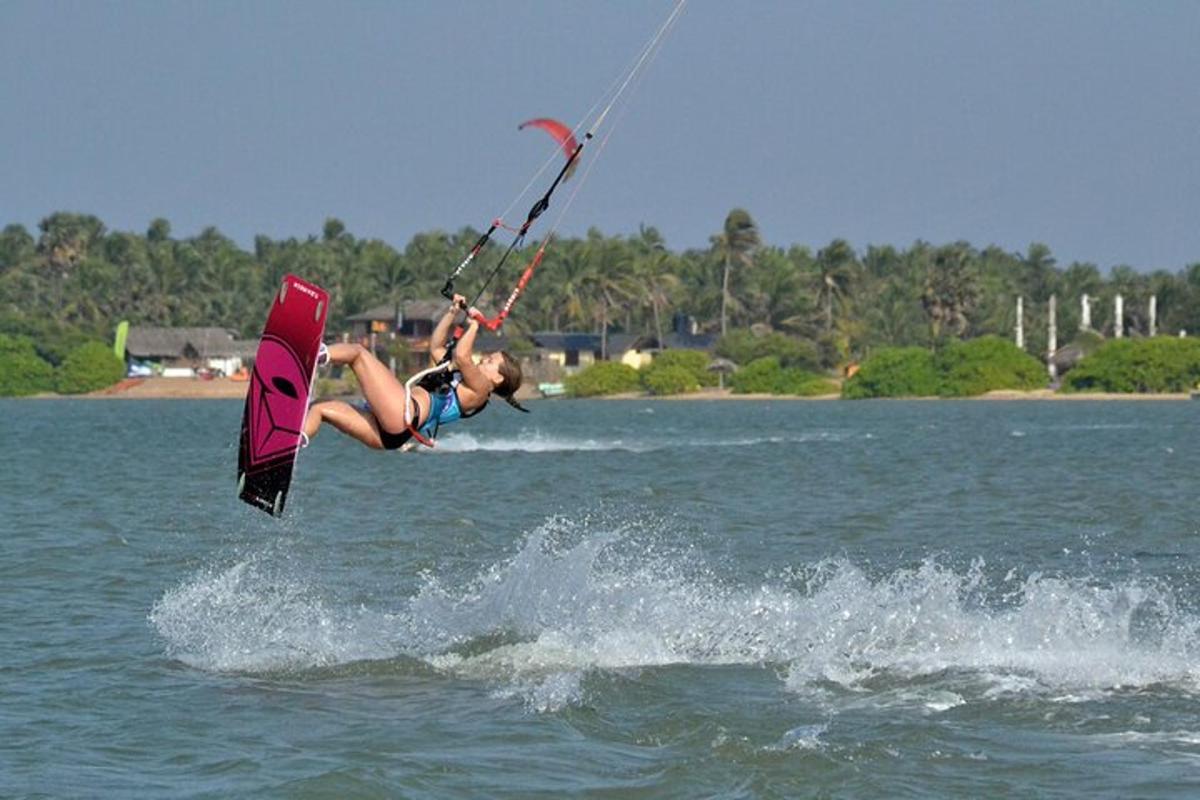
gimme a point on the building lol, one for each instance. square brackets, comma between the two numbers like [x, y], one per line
[411, 323]
[184, 350]
[556, 351]
[413, 319]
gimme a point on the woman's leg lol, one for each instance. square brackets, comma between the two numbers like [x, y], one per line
[347, 419]
[379, 386]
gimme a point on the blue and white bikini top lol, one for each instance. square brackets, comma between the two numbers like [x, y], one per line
[444, 407]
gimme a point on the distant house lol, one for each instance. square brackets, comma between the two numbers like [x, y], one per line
[414, 319]
[685, 335]
[413, 322]
[569, 351]
[572, 351]
[188, 349]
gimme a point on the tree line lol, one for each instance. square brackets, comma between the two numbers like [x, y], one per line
[74, 279]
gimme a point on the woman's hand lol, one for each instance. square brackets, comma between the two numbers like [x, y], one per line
[458, 303]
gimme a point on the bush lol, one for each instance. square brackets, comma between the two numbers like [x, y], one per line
[767, 376]
[743, 346]
[986, 364]
[52, 341]
[894, 372]
[89, 367]
[678, 371]
[22, 372]
[1161, 364]
[671, 379]
[601, 378]
[12, 343]
[960, 369]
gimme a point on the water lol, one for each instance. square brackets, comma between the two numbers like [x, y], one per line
[619, 599]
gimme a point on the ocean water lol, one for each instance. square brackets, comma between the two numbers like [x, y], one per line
[614, 599]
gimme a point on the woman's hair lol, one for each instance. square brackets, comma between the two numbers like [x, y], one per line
[510, 376]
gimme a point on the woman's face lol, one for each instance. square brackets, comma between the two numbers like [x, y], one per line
[490, 366]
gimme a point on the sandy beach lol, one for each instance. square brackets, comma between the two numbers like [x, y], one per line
[182, 388]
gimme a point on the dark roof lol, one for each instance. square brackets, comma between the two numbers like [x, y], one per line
[558, 340]
[414, 309]
[245, 348]
[488, 342]
[148, 342]
[569, 340]
[690, 341]
[1066, 357]
[620, 342]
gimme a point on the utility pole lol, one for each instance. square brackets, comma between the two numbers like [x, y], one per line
[1052, 338]
[1020, 323]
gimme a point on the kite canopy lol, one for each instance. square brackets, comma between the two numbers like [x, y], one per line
[561, 133]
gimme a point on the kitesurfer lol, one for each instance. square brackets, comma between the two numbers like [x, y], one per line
[459, 391]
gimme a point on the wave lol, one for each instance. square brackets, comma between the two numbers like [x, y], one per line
[578, 598]
[541, 443]
[259, 616]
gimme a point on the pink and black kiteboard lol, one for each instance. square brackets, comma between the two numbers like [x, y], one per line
[280, 385]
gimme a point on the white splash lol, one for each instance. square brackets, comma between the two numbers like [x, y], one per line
[581, 597]
[254, 616]
[536, 442]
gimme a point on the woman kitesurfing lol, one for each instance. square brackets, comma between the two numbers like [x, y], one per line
[394, 414]
[278, 421]
[456, 386]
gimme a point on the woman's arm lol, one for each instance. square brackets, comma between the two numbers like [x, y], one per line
[441, 333]
[472, 375]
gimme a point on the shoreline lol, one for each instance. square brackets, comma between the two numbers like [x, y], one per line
[227, 389]
[998, 395]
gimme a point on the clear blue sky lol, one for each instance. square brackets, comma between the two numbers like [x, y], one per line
[1076, 124]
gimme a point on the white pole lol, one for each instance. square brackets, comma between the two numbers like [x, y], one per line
[1085, 313]
[1153, 315]
[1052, 343]
[1119, 316]
[1020, 323]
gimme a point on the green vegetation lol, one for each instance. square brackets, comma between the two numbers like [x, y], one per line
[744, 346]
[959, 369]
[670, 379]
[1161, 364]
[22, 371]
[677, 372]
[767, 376]
[816, 309]
[895, 372]
[966, 369]
[89, 367]
[601, 378]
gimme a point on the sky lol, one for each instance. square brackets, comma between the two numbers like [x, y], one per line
[1071, 123]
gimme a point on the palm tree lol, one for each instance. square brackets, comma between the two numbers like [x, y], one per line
[735, 245]
[571, 267]
[656, 274]
[1040, 276]
[951, 289]
[386, 273]
[778, 295]
[608, 281]
[837, 268]
[66, 238]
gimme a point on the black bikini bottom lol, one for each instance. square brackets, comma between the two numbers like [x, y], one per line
[393, 441]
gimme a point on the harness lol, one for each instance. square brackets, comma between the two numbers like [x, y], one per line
[444, 406]
[441, 382]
